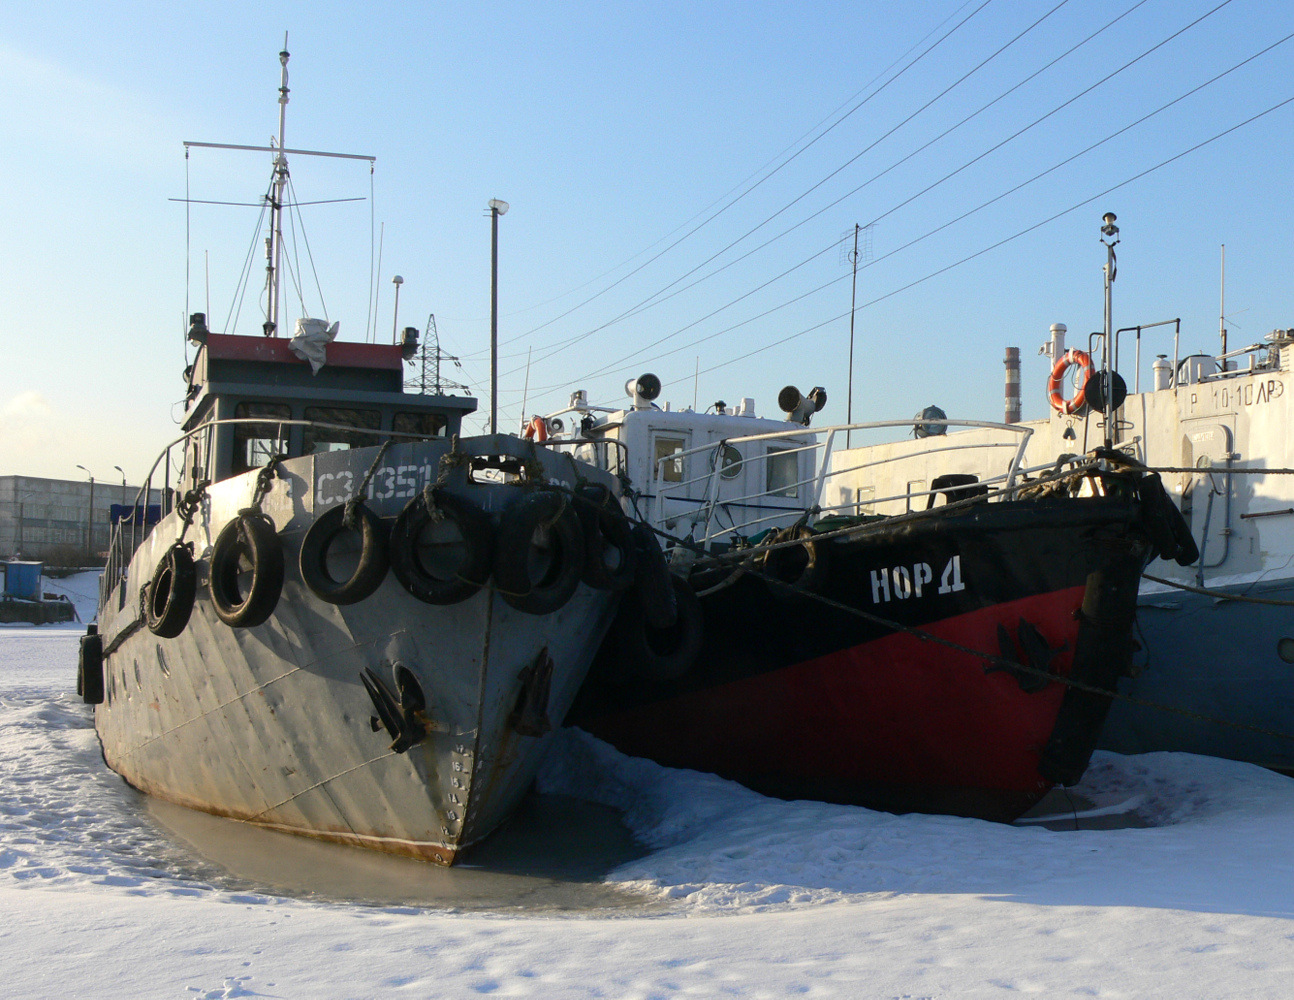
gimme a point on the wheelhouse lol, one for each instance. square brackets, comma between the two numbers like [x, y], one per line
[251, 398]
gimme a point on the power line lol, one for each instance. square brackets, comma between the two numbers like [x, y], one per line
[947, 176]
[1009, 239]
[646, 303]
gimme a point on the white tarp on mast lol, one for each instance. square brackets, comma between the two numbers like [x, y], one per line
[310, 343]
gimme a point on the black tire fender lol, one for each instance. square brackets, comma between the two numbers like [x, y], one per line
[370, 569]
[610, 553]
[170, 594]
[247, 545]
[653, 582]
[89, 668]
[540, 552]
[1164, 523]
[804, 566]
[435, 584]
[658, 654]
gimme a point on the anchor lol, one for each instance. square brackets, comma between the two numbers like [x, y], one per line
[1037, 656]
[530, 716]
[402, 717]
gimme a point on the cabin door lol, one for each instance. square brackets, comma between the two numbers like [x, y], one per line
[1207, 494]
[675, 493]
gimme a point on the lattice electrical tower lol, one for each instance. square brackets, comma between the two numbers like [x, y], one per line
[427, 379]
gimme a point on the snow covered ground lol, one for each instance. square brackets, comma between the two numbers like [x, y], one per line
[739, 895]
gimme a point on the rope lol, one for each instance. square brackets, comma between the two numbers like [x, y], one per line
[351, 516]
[992, 661]
[187, 507]
[853, 531]
[1219, 595]
[1204, 470]
[449, 461]
[1001, 663]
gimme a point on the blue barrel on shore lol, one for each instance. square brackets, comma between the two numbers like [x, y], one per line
[22, 579]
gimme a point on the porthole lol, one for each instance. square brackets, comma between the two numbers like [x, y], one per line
[1285, 649]
[730, 459]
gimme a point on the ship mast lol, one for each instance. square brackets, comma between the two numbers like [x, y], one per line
[277, 197]
[274, 243]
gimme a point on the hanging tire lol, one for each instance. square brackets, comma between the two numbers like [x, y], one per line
[610, 553]
[442, 555]
[658, 654]
[89, 669]
[802, 566]
[1164, 523]
[540, 552]
[653, 580]
[371, 564]
[170, 594]
[246, 576]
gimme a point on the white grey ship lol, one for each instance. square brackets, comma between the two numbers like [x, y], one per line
[347, 621]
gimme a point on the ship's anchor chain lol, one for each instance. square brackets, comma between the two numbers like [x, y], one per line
[166, 601]
[264, 483]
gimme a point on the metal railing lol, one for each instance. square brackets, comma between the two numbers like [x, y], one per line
[806, 492]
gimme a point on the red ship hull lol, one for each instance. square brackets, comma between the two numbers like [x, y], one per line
[972, 698]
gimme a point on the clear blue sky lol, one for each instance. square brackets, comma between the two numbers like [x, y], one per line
[618, 133]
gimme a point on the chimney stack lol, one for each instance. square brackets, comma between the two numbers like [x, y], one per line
[1012, 385]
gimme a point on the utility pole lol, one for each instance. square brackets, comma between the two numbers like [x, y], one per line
[853, 256]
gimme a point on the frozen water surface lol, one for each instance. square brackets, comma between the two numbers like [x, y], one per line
[1159, 875]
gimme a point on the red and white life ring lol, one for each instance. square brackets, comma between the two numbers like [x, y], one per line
[536, 430]
[1058, 402]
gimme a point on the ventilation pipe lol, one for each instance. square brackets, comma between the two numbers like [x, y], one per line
[1055, 348]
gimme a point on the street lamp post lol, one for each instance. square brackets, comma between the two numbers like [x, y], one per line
[18, 538]
[497, 208]
[89, 520]
[395, 319]
[123, 483]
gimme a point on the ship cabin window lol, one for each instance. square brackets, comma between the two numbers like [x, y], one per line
[665, 466]
[256, 443]
[348, 429]
[424, 425]
[782, 472]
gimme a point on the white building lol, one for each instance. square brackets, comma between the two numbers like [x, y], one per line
[60, 520]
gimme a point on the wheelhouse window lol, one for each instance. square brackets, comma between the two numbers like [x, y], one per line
[350, 429]
[256, 443]
[426, 425]
[666, 466]
[782, 472]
